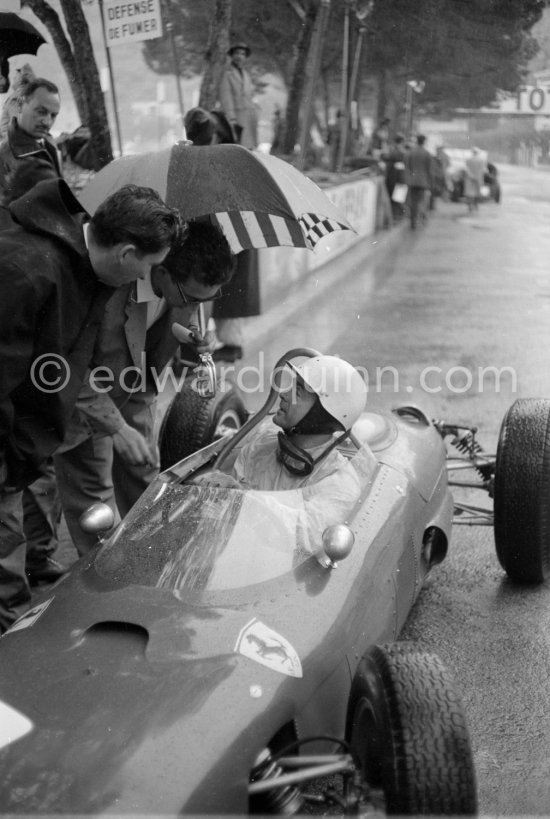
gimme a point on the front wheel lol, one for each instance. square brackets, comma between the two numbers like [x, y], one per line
[192, 422]
[522, 491]
[407, 727]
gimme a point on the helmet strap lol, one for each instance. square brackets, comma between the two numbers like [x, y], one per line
[299, 461]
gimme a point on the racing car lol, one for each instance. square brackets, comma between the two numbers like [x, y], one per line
[198, 662]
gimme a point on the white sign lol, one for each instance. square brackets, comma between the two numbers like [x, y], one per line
[132, 22]
[533, 99]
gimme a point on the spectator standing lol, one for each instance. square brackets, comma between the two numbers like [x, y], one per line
[445, 164]
[475, 168]
[379, 143]
[28, 155]
[395, 176]
[235, 93]
[58, 275]
[419, 174]
[113, 456]
[10, 108]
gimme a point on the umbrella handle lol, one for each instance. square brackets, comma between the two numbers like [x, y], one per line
[202, 320]
[274, 393]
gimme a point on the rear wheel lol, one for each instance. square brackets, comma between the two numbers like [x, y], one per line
[192, 422]
[522, 491]
[407, 726]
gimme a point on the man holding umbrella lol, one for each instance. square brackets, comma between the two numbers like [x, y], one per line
[115, 455]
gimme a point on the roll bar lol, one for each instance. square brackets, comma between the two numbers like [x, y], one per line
[274, 393]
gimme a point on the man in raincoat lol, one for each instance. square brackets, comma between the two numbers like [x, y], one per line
[236, 90]
[58, 273]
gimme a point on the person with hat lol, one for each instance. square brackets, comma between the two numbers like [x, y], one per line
[235, 96]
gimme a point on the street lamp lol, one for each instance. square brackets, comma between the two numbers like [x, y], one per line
[413, 87]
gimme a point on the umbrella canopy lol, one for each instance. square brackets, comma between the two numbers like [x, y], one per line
[17, 36]
[257, 199]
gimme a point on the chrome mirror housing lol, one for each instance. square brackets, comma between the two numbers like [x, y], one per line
[338, 542]
[97, 519]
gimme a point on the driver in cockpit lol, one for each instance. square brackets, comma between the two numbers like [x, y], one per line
[325, 397]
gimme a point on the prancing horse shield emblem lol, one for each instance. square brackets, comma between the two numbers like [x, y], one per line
[263, 645]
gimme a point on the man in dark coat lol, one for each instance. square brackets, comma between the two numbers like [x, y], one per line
[28, 154]
[419, 167]
[57, 276]
[235, 93]
[395, 173]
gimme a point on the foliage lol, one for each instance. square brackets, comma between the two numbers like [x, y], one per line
[464, 50]
[271, 35]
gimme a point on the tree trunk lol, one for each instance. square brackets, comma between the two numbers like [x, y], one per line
[88, 78]
[81, 69]
[216, 53]
[50, 19]
[297, 84]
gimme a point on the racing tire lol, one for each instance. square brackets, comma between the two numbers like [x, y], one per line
[522, 492]
[192, 422]
[407, 727]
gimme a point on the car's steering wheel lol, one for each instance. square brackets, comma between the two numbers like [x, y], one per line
[307, 352]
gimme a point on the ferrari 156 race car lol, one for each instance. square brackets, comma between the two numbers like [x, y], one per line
[213, 655]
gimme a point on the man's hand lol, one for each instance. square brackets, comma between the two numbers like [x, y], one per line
[192, 335]
[133, 448]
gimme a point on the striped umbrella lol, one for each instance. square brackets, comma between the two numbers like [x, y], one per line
[257, 199]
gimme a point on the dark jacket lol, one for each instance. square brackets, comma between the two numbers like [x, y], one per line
[23, 163]
[418, 163]
[51, 305]
[395, 168]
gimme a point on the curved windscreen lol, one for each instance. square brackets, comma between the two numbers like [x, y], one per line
[203, 538]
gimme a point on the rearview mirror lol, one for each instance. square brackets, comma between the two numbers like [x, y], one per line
[97, 519]
[338, 542]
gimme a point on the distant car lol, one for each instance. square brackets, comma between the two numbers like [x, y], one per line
[201, 660]
[490, 190]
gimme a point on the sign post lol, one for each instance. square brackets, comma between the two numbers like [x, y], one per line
[111, 79]
[170, 30]
[127, 21]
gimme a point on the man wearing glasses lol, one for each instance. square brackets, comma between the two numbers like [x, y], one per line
[113, 451]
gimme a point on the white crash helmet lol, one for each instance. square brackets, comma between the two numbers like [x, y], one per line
[339, 386]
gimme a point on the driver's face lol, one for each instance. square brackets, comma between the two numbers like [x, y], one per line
[294, 404]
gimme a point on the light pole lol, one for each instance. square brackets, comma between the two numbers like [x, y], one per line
[413, 87]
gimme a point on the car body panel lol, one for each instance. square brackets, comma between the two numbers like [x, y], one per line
[159, 700]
